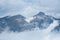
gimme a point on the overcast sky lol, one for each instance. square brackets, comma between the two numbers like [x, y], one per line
[29, 8]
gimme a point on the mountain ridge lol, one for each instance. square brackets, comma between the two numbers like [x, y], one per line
[17, 23]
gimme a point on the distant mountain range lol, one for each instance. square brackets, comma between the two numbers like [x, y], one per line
[18, 23]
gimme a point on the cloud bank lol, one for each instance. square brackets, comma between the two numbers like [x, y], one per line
[29, 35]
[29, 8]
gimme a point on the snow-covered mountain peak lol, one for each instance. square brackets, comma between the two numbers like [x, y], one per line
[40, 14]
[19, 23]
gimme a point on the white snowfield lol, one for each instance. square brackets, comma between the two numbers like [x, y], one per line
[29, 19]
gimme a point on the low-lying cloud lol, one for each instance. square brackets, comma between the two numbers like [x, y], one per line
[29, 35]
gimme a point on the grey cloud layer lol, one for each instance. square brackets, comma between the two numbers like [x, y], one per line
[28, 7]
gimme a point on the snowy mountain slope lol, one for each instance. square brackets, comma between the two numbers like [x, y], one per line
[42, 21]
[14, 23]
[19, 23]
[57, 28]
